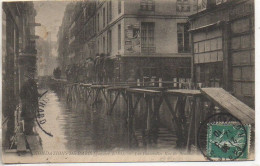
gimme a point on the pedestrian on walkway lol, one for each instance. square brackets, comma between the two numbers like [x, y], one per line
[29, 97]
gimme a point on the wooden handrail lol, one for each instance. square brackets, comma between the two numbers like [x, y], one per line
[127, 83]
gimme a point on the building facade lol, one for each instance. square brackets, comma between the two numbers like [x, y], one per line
[46, 61]
[18, 53]
[63, 38]
[82, 31]
[144, 38]
[76, 36]
[223, 46]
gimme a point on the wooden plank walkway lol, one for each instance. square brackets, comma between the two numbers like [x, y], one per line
[99, 86]
[187, 92]
[146, 91]
[187, 112]
[231, 104]
[115, 88]
[85, 85]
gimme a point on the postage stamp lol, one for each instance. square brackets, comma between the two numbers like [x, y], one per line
[228, 141]
[224, 137]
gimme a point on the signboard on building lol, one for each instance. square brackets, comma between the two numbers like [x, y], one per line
[202, 5]
[132, 39]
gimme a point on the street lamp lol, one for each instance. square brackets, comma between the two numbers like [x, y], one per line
[118, 56]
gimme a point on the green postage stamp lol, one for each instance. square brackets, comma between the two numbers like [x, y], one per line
[228, 141]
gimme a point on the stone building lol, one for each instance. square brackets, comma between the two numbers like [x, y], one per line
[81, 31]
[223, 46]
[76, 35]
[63, 38]
[145, 39]
[18, 53]
[46, 61]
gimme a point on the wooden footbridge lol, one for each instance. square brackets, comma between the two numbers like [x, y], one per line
[188, 107]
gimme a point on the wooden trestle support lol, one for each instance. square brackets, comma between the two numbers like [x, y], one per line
[187, 112]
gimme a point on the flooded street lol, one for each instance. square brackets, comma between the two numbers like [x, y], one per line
[128, 81]
[94, 130]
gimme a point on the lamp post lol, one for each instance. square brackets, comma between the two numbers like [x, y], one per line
[118, 56]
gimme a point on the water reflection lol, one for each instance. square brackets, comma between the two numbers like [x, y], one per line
[81, 128]
[88, 129]
[77, 126]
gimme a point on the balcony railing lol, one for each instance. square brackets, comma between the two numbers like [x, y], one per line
[147, 6]
[148, 50]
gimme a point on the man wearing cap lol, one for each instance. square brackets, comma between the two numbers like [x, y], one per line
[29, 97]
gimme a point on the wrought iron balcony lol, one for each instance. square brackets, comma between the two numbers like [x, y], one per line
[148, 50]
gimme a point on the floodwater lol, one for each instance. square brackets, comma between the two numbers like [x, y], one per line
[78, 127]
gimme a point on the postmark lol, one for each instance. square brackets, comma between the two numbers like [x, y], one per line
[39, 114]
[223, 137]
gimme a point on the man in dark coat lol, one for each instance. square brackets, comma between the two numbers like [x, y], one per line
[29, 97]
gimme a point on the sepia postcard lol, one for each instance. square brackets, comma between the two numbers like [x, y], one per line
[128, 81]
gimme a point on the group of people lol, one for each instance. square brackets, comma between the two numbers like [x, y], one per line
[82, 72]
[92, 70]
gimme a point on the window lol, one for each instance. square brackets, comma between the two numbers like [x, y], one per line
[147, 5]
[183, 38]
[202, 5]
[188, 8]
[150, 72]
[147, 37]
[98, 46]
[119, 37]
[104, 44]
[109, 11]
[119, 6]
[98, 22]
[210, 74]
[109, 41]
[104, 17]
